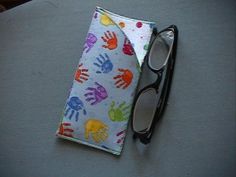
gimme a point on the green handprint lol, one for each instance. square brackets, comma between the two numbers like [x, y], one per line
[120, 113]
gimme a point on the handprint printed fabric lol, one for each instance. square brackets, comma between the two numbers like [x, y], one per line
[105, 20]
[98, 107]
[95, 94]
[103, 63]
[119, 113]
[120, 135]
[81, 74]
[73, 106]
[65, 129]
[90, 42]
[124, 79]
[127, 47]
[110, 39]
[96, 129]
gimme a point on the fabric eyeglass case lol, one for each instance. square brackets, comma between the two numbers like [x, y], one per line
[97, 110]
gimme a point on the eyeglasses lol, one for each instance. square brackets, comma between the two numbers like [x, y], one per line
[150, 101]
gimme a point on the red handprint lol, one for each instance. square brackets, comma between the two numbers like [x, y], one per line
[110, 39]
[63, 130]
[123, 80]
[127, 47]
[81, 74]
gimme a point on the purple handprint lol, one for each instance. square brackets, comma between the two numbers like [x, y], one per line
[96, 94]
[90, 41]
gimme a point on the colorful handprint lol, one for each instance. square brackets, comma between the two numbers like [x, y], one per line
[104, 64]
[120, 113]
[96, 94]
[97, 129]
[81, 74]
[124, 79]
[65, 129]
[105, 20]
[74, 105]
[127, 47]
[110, 39]
[95, 15]
[90, 41]
[121, 137]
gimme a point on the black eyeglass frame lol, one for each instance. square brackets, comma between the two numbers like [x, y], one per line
[146, 134]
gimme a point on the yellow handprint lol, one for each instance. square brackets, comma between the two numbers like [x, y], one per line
[97, 129]
[105, 20]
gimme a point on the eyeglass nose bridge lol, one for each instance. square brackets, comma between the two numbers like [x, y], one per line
[157, 82]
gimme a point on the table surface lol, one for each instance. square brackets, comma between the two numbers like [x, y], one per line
[40, 45]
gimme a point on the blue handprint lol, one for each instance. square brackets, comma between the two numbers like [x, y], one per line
[74, 105]
[104, 64]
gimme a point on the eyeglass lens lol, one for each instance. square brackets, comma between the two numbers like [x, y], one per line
[145, 109]
[160, 49]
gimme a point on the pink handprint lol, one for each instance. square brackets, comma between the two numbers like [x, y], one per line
[127, 47]
[96, 94]
[124, 79]
[121, 136]
[81, 74]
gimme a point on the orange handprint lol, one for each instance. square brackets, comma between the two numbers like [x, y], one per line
[81, 74]
[65, 130]
[123, 80]
[110, 39]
